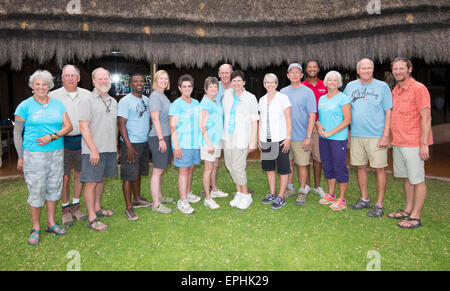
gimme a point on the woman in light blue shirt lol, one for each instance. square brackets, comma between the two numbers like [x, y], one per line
[334, 117]
[42, 120]
[211, 124]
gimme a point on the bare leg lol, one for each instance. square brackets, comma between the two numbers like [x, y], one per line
[317, 173]
[381, 185]
[363, 181]
[183, 176]
[271, 179]
[283, 185]
[214, 176]
[155, 185]
[126, 187]
[77, 185]
[136, 187]
[303, 176]
[207, 173]
[89, 199]
[51, 208]
[36, 217]
[342, 190]
[65, 193]
[331, 186]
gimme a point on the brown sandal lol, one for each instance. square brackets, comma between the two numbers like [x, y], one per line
[96, 225]
[400, 214]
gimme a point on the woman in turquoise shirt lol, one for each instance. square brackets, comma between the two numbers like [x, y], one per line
[334, 117]
[40, 150]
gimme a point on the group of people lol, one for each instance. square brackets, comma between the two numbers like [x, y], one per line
[90, 131]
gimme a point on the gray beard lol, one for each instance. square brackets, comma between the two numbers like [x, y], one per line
[103, 88]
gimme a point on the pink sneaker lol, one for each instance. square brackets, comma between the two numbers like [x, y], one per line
[338, 205]
[328, 199]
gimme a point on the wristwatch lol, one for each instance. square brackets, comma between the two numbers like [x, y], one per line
[54, 136]
[308, 136]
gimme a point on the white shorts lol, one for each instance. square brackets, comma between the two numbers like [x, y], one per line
[206, 156]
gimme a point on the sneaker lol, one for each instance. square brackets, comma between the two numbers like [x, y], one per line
[307, 189]
[290, 192]
[338, 205]
[328, 199]
[278, 202]
[319, 191]
[130, 214]
[76, 212]
[236, 199]
[193, 198]
[360, 204]
[211, 203]
[141, 203]
[67, 218]
[268, 199]
[245, 201]
[185, 207]
[161, 209]
[218, 194]
[376, 212]
[301, 198]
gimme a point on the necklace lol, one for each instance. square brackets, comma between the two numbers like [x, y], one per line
[108, 106]
[44, 105]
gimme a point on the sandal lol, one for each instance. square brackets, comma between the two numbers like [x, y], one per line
[411, 226]
[103, 212]
[56, 229]
[400, 214]
[97, 225]
[35, 236]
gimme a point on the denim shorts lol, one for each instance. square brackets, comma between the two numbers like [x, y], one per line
[43, 173]
[188, 158]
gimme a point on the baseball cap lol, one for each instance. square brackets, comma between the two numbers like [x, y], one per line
[296, 65]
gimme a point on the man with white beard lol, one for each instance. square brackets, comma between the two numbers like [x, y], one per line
[98, 125]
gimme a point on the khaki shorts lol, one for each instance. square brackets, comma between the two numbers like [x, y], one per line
[315, 145]
[299, 155]
[408, 164]
[206, 156]
[364, 150]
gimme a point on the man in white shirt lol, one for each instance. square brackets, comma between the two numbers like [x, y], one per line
[70, 95]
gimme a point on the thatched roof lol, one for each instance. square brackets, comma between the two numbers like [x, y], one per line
[253, 33]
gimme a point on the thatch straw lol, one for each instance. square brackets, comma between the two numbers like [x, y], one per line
[251, 33]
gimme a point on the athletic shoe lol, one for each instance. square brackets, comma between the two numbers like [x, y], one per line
[161, 209]
[218, 194]
[360, 204]
[319, 191]
[289, 192]
[278, 202]
[193, 198]
[211, 203]
[164, 199]
[376, 212]
[67, 218]
[236, 199]
[185, 207]
[338, 205]
[268, 199]
[141, 203]
[77, 213]
[306, 190]
[328, 199]
[245, 201]
[130, 214]
[301, 198]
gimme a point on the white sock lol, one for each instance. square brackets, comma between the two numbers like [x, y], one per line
[65, 204]
[75, 201]
[291, 186]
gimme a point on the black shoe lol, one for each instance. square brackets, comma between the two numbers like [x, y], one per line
[360, 204]
[376, 212]
[278, 202]
[269, 198]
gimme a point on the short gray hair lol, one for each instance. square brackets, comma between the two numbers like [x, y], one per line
[359, 62]
[70, 65]
[44, 75]
[211, 81]
[333, 74]
[270, 76]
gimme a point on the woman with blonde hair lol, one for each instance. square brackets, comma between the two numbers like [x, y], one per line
[159, 138]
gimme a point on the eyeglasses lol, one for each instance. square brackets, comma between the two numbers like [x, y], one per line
[71, 76]
[186, 86]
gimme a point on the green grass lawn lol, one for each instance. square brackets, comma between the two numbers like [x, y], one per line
[311, 237]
